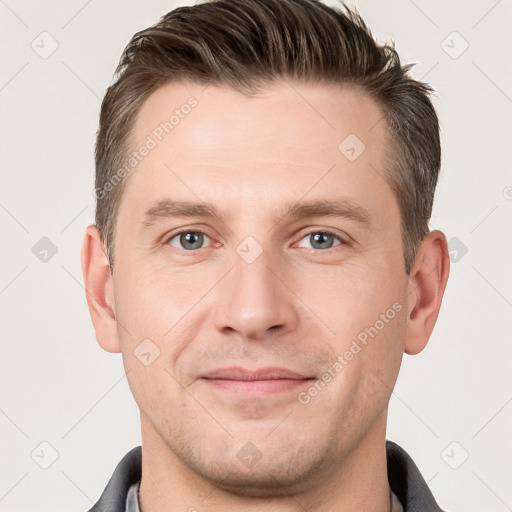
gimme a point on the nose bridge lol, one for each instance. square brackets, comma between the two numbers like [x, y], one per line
[255, 300]
[254, 276]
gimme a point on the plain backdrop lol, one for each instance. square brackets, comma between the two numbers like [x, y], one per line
[66, 412]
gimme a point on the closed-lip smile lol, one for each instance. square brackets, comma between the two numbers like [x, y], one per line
[256, 382]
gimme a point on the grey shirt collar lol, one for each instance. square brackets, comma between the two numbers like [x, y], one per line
[132, 500]
[404, 478]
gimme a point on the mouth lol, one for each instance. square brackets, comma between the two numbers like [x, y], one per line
[256, 382]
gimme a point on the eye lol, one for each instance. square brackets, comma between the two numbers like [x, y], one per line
[321, 240]
[189, 240]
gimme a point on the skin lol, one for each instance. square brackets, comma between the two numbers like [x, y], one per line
[298, 305]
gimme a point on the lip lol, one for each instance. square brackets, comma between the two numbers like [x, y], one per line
[257, 382]
[239, 373]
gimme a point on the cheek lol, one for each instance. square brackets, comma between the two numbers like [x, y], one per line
[156, 298]
[352, 299]
[366, 313]
[367, 351]
[161, 311]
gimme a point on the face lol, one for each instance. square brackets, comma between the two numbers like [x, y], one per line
[259, 279]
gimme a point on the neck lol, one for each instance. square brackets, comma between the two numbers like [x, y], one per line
[358, 481]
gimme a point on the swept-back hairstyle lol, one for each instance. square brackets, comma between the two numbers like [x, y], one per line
[245, 44]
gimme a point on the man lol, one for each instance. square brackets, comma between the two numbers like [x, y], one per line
[265, 174]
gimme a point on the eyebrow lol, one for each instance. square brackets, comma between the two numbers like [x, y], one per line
[340, 209]
[167, 208]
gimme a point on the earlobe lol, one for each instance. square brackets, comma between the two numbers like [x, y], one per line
[99, 289]
[427, 283]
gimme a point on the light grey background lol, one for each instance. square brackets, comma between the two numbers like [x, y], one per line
[58, 387]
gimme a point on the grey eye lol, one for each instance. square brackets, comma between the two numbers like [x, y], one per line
[189, 240]
[321, 240]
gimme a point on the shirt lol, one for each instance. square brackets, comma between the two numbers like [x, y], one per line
[132, 500]
[409, 491]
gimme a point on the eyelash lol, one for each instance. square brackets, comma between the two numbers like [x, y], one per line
[325, 232]
[193, 251]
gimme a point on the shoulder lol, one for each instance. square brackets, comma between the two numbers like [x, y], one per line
[407, 482]
[126, 473]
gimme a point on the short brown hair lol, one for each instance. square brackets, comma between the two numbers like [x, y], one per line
[246, 44]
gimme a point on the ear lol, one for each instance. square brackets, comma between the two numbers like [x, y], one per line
[99, 288]
[427, 283]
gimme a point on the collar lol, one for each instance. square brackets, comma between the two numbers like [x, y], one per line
[404, 477]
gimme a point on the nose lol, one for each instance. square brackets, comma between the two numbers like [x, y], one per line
[256, 300]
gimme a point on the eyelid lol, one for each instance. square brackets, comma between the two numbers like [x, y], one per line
[166, 239]
[343, 239]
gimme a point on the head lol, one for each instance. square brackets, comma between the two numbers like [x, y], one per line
[265, 174]
[248, 45]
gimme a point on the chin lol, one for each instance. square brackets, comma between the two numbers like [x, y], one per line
[279, 473]
[266, 483]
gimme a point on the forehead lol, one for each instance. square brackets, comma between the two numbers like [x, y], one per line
[219, 145]
[284, 115]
